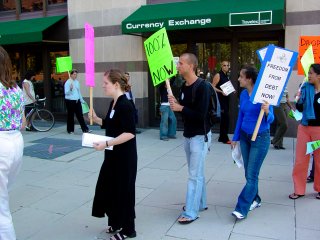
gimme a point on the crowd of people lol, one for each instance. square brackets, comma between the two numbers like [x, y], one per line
[119, 168]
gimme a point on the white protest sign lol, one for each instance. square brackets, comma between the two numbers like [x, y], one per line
[227, 88]
[273, 75]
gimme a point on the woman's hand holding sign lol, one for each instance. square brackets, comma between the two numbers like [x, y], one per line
[265, 107]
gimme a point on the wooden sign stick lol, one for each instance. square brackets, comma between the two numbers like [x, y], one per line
[169, 90]
[256, 129]
[91, 104]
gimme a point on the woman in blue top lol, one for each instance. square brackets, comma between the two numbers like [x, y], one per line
[253, 152]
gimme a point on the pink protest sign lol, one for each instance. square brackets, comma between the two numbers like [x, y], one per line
[89, 54]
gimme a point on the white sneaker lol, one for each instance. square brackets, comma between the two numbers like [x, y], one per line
[238, 215]
[254, 205]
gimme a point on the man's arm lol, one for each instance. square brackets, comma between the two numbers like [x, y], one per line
[215, 81]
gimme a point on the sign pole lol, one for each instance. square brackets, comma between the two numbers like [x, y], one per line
[256, 129]
[169, 90]
[91, 104]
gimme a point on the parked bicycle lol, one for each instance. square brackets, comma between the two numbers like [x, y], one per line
[41, 119]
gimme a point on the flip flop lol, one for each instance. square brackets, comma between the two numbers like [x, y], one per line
[184, 208]
[318, 196]
[186, 220]
[295, 196]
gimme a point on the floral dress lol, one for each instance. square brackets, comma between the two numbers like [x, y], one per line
[11, 108]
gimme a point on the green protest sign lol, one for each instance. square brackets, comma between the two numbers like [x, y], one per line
[160, 58]
[63, 64]
[307, 59]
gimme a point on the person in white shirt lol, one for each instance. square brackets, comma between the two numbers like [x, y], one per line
[73, 100]
[28, 94]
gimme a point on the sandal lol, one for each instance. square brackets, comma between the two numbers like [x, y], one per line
[184, 220]
[318, 196]
[295, 196]
[184, 208]
[111, 230]
[121, 236]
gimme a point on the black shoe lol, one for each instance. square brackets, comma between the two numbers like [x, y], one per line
[310, 179]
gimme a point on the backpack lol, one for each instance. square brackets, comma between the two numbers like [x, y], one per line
[214, 111]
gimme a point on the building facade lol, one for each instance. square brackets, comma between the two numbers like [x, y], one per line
[214, 31]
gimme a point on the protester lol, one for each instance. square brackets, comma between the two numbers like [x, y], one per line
[28, 94]
[197, 134]
[74, 100]
[11, 150]
[220, 78]
[253, 152]
[281, 115]
[131, 99]
[308, 130]
[115, 190]
[168, 124]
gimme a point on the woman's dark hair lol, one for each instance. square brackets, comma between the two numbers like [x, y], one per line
[73, 71]
[116, 75]
[251, 73]
[29, 74]
[316, 68]
[6, 69]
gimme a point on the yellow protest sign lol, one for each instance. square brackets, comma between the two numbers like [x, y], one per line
[160, 58]
[307, 59]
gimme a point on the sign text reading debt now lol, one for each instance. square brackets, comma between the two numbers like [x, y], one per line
[273, 86]
[171, 23]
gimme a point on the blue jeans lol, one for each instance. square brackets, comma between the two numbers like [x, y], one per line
[253, 154]
[168, 124]
[196, 149]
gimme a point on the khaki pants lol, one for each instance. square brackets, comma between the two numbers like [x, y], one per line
[11, 151]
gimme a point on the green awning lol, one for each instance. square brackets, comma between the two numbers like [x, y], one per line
[204, 14]
[25, 31]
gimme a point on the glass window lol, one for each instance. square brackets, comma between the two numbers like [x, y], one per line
[31, 5]
[211, 55]
[248, 52]
[57, 82]
[34, 62]
[7, 5]
[15, 60]
[50, 2]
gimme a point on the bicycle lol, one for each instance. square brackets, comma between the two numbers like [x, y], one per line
[42, 120]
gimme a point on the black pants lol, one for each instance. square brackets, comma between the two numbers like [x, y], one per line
[74, 107]
[224, 123]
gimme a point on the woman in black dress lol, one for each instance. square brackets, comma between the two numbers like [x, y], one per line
[115, 190]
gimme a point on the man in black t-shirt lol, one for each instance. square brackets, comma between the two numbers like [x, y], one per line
[193, 105]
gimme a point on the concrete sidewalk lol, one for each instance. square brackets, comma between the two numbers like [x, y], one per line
[52, 197]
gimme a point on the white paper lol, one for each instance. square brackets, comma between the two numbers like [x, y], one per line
[88, 139]
[237, 156]
[227, 88]
[297, 115]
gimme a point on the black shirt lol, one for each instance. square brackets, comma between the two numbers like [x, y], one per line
[195, 114]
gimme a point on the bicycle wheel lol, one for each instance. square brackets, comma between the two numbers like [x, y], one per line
[42, 120]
